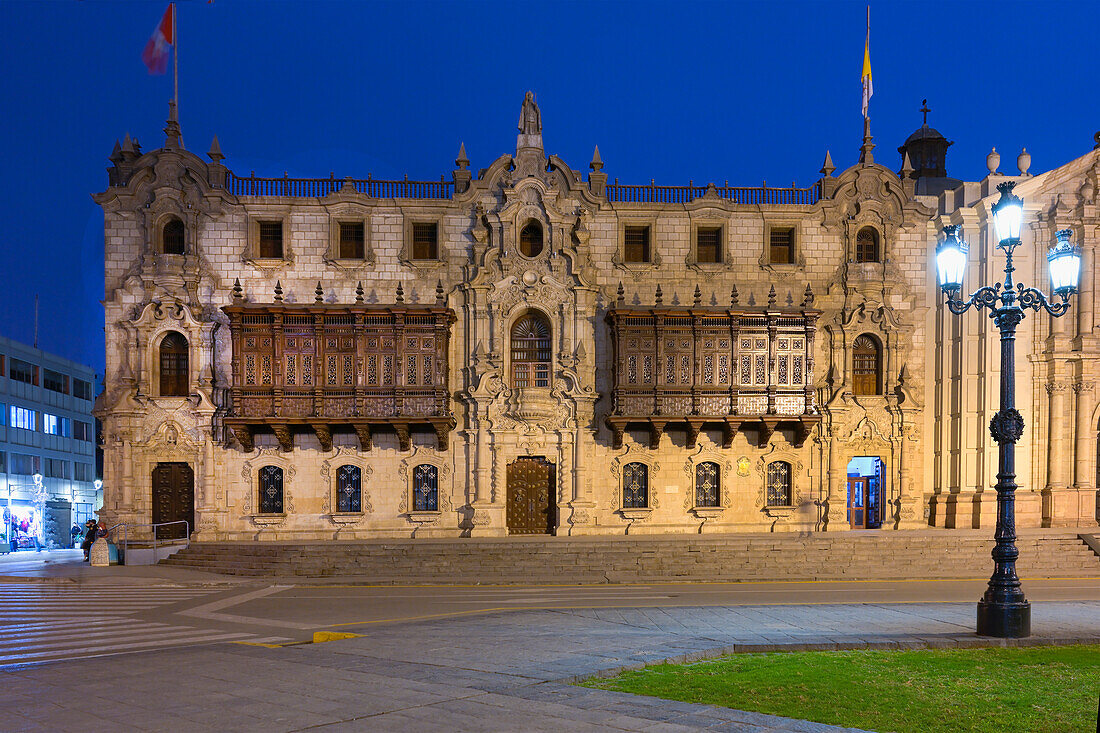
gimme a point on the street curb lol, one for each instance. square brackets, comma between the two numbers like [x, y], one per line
[900, 644]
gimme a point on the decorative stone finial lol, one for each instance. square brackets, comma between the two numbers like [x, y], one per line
[698, 297]
[359, 292]
[658, 297]
[865, 155]
[215, 153]
[127, 144]
[906, 167]
[172, 128]
[596, 163]
[790, 299]
[1096, 139]
[992, 161]
[808, 297]
[734, 297]
[752, 300]
[462, 161]
[440, 297]
[238, 291]
[827, 167]
[116, 154]
[1023, 162]
[278, 291]
[924, 109]
[400, 293]
[620, 294]
[319, 294]
[771, 296]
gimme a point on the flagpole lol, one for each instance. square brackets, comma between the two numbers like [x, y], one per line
[176, 58]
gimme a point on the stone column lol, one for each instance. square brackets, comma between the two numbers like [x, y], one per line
[1085, 299]
[1085, 474]
[127, 477]
[1059, 460]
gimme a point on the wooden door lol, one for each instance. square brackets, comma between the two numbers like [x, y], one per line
[530, 496]
[173, 498]
[857, 502]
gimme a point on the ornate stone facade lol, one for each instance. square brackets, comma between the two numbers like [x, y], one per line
[537, 265]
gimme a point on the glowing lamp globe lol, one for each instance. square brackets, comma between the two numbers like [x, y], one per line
[1008, 214]
[1064, 259]
[951, 254]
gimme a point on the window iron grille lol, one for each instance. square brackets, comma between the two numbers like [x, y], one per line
[349, 493]
[635, 486]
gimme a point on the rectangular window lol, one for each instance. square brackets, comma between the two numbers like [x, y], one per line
[82, 389]
[23, 464]
[636, 244]
[56, 468]
[3, 414]
[3, 462]
[271, 239]
[708, 244]
[23, 418]
[352, 240]
[82, 430]
[50, 424]
[83, 472]
[425, 244]
[55, 381]
[781, 246]
[21, 371]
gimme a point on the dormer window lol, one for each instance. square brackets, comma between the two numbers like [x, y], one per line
[530, 239]
[172, 240]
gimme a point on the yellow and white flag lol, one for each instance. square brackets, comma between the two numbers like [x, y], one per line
[868, 87]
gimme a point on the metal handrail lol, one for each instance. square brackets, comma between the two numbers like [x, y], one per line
[126, 533]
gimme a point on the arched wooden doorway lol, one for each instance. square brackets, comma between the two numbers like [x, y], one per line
[173, 499]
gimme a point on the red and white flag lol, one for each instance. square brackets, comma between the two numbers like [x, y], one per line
[157, 49]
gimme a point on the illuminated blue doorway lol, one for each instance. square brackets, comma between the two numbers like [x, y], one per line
[866, 475]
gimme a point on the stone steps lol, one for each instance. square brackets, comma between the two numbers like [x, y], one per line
[727, 558]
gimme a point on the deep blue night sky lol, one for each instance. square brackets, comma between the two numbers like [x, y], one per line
[672, 91]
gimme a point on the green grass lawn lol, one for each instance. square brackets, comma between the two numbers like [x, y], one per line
[1028, 689]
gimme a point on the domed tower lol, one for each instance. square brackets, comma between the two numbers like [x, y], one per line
[926, 150]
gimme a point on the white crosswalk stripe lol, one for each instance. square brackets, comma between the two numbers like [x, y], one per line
[49, 623]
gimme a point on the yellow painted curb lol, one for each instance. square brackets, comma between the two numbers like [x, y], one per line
[320, 637]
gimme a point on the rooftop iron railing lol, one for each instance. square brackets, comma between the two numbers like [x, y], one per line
[764, 195]
[254, 185]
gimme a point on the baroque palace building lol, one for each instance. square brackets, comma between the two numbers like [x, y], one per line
[530, 350]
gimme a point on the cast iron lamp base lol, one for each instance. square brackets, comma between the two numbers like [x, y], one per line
[1004, 620]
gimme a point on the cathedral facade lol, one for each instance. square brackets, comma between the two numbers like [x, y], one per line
[527, 349]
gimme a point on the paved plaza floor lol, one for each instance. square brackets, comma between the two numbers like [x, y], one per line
[486, 670]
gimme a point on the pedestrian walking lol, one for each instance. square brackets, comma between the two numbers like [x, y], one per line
[90, 532]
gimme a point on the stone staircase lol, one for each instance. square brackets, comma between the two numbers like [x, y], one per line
[725, 558]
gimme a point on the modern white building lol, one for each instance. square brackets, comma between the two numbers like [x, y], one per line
[47, 446]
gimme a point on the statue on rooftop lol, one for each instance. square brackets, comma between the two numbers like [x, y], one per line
[530, 120]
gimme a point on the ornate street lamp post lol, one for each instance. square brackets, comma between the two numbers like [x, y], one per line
[1003, 611]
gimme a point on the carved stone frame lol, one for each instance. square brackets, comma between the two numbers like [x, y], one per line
[349, 213]
[421, 215]
[618, 258]
[709, 219]
[798, 258]
[251, 254]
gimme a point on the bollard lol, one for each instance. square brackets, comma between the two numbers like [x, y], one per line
[100, 554]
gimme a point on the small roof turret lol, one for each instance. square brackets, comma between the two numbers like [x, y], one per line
[924, 158]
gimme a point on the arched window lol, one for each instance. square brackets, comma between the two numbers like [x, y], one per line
[530, 239]
[867, 245]
[708, 484]
[779, 484]
[635, 486]
[531, 352]
[349, 491]
[426, 488]
[271, 490]
[172, 237]
[173, 366]
[866, 366]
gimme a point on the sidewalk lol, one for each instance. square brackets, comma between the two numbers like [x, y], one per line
[500, 672]
[68, 566]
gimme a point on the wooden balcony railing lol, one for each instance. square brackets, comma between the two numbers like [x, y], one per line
[762, 195]
[254, 185]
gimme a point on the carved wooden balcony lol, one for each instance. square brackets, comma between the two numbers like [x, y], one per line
[325, 368]
[734, 368]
